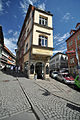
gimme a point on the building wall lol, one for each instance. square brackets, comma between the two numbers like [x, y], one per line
[72, 61]
[57, 63]
[45, 30]
[30, 35]
[36, 17]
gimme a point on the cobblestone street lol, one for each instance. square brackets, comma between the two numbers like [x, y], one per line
[12, 99]
[52, 106]
[51, 100]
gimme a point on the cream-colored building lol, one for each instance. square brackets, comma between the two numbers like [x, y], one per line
[35, 43]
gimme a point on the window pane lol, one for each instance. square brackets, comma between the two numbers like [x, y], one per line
[42, 42]
[46, 43]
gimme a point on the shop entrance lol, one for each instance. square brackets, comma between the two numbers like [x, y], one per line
[39, 69]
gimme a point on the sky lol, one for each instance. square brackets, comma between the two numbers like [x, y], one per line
[66, 14]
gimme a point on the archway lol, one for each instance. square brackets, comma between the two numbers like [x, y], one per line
[39, 69]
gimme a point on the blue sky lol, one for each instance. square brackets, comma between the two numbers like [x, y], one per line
[66, 14]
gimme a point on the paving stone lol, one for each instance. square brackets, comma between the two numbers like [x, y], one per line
[51, 106]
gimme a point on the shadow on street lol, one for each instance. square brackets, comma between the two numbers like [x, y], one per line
[14, 73]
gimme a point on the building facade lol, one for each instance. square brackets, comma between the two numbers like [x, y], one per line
[59, 61]
[35, 43]
[6, 56]
[73, 49]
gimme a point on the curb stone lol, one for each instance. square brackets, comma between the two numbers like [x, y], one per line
[35, 109]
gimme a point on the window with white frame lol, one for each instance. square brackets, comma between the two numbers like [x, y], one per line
[43, 21]
[43, 40]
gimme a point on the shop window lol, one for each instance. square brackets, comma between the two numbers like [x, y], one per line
[43, 21]
[43, 40]
[32, 69]
[47, 69]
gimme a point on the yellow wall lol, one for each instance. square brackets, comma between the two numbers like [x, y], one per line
[36, 35]
[39, 51]
[36, 18]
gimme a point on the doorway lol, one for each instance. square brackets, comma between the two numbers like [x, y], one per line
[39, 69]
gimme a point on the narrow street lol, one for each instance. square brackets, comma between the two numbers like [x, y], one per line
[23, 99]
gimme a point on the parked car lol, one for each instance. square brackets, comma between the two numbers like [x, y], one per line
[54, 74]
[66, 78]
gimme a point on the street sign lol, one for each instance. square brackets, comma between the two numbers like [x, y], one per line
[68, 52]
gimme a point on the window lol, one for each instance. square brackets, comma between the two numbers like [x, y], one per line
[78, 37]
[57, 59]
[26, 47]
[72, 60]
[70, 43]
[43, 41]
[32, 69]
[43, 21]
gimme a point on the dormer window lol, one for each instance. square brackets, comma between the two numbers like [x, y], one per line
[43, 21]
[43, 40]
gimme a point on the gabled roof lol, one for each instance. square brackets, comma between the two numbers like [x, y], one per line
[72, 31]
[73, 34]
[77, 25]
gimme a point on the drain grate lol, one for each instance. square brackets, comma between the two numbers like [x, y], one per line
[73, 107]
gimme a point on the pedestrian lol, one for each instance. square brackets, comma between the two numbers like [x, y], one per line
[35, 76]
[19, 69]
[5, 68]
[11, 69]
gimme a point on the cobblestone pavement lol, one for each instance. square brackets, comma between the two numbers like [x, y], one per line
[51, 106]
[12, 99]
[61, 90]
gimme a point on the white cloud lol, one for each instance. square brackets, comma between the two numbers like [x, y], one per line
[61, 39]
[56, 51]
[42, 6]
[11, 44]
[7, 3]
[60, 50]
[67, 17]
[25, 3]
[1, 6]
[15, 16]
[10, 31]
[59, 42]
[16, 34]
